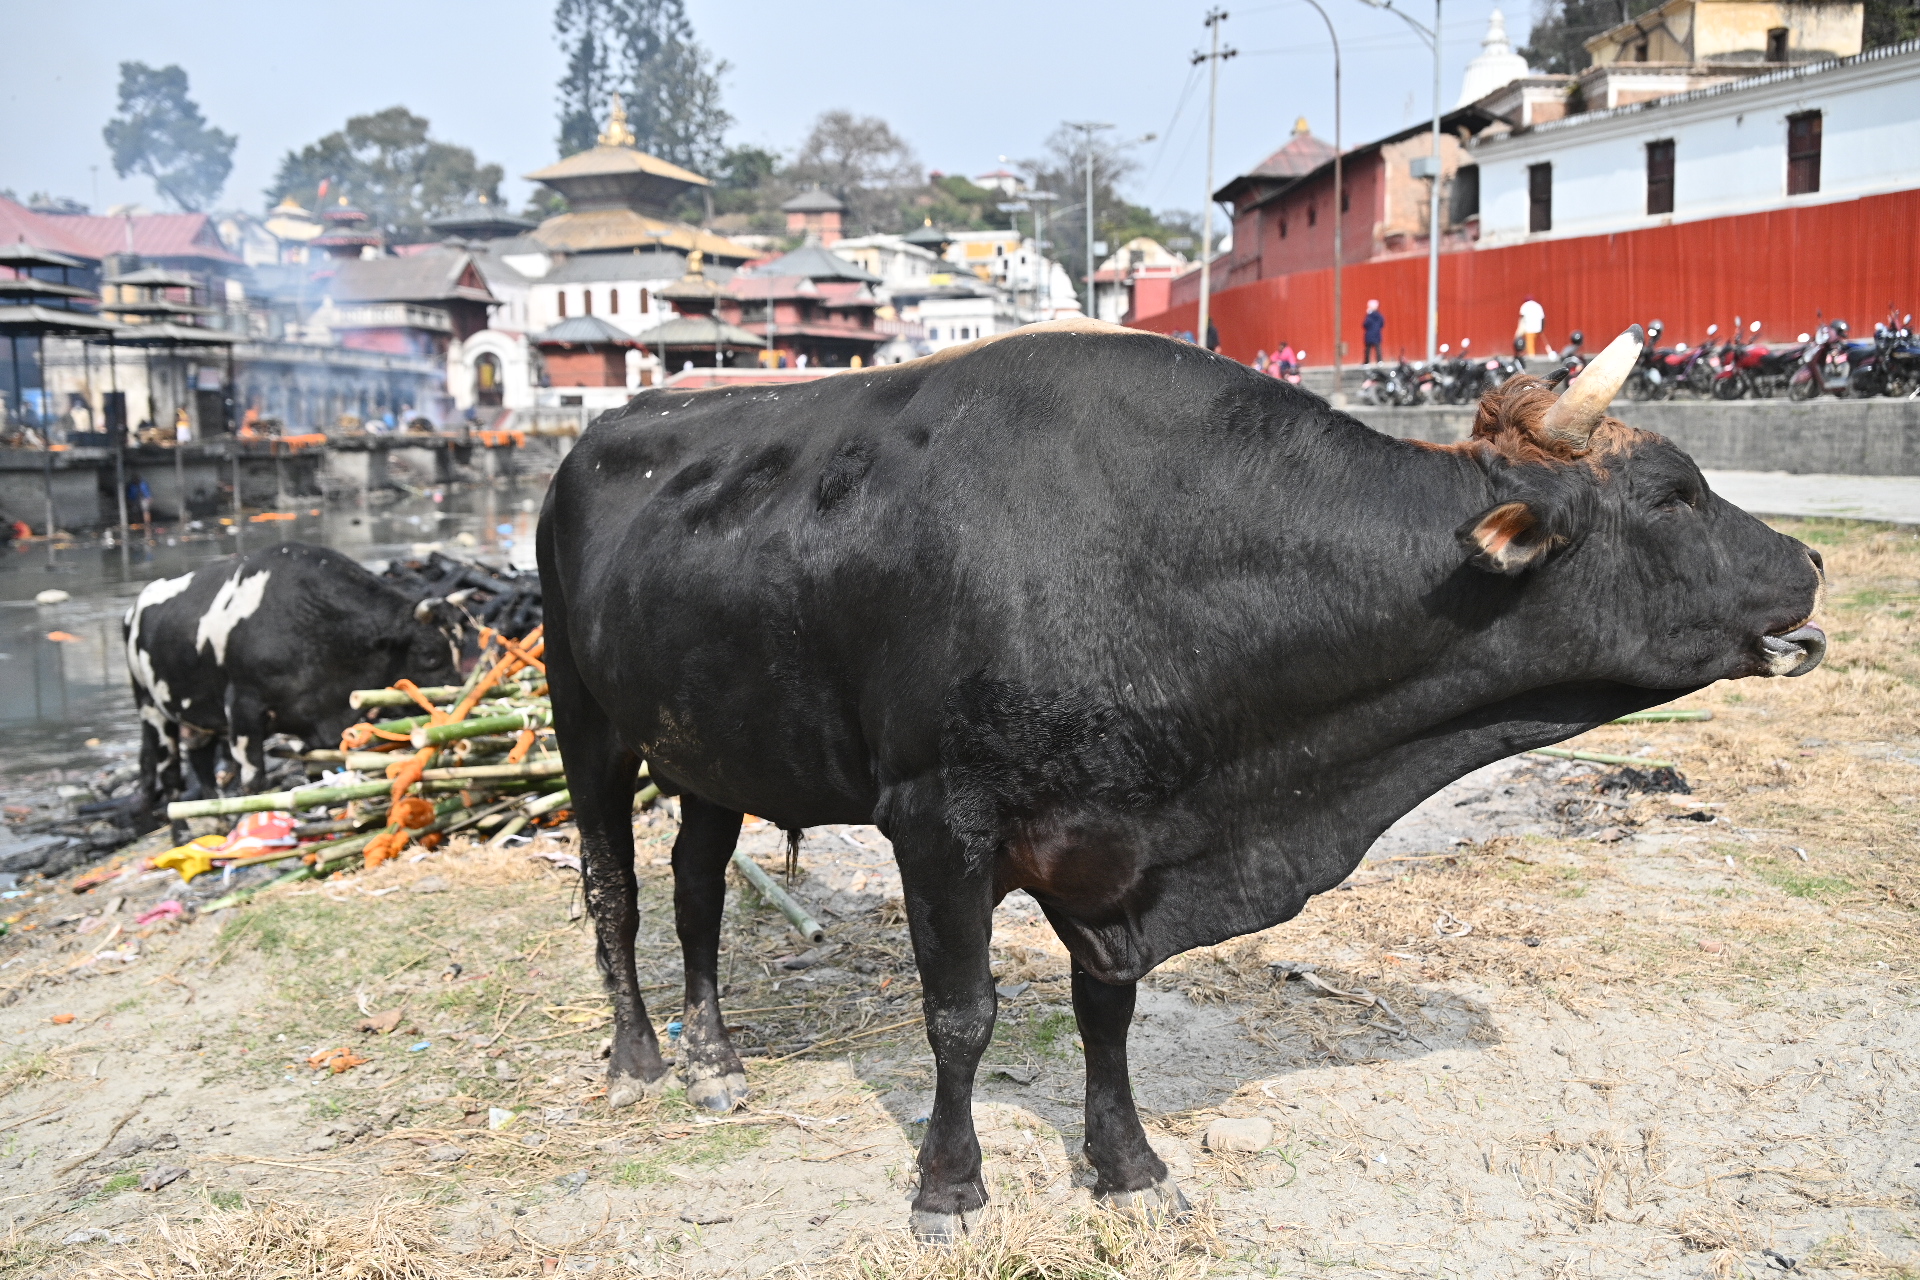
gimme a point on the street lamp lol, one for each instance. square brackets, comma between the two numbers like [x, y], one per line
[1043, 290]
[1087, 130]
[1213, 58]
[1339, 212]
[1432, 172]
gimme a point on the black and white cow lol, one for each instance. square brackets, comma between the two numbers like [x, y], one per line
[1104, 617]
[273, 643]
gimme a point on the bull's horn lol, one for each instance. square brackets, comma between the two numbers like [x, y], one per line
[423, 612]
[1580, 408]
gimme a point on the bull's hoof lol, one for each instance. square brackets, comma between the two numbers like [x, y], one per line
[718, 1093]
[1161, 1201]
[624, 1091]
[944, 1228]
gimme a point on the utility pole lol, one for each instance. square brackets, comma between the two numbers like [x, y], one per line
[1339, 396]
[1043, 289]
[1431, 171]
[1087, 130]
[1213, 57]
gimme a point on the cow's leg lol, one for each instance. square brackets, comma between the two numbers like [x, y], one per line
[1130, 1175]
[159, 755]
[600, 774]
[248, 725]
[715, 1078]
[950, 916]
[201, 751]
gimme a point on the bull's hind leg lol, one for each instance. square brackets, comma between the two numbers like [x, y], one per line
[603, 807]
[715, 1078]
[950, 916]
[1129, 1174]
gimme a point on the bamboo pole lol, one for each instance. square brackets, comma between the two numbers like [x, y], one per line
[804, 924]
[439, 695]
[531, 769]
[300, 798]
[1595, 757]
[433, 735]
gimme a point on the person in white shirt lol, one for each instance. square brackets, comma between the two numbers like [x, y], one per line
[1533, 319]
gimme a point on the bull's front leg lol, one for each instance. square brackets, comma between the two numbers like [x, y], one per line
[1129, 1174]
[248, 726]
[715, 1078]
[950, 916]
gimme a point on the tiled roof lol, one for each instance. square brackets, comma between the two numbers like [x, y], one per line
[19, 224]
[817, 263]
[420, 277]
[605, 160]
[814, 201]
[586, 331]
[155, 235]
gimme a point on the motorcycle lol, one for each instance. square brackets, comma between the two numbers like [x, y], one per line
[1571, 357]
[1829, 365]
[1703, 363]
[1752, 368]
[1654, 374]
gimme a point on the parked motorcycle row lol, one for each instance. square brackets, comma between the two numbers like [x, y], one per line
[1827, 362]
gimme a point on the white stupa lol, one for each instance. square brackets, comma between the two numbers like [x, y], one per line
[1496, 66]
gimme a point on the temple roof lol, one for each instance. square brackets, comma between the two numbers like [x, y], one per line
[604, 230]
[814, 201]
[585, 331]
[817, 263]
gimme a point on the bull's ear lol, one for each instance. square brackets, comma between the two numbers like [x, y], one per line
[1511, 538]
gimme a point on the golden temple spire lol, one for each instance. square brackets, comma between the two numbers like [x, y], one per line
[617, 133]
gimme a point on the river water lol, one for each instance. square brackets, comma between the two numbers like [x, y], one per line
[66, 708]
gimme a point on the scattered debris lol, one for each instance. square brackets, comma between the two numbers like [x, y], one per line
[161, 1176]
[1251, 1134]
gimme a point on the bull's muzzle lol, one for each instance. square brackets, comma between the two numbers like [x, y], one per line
[1795, 653]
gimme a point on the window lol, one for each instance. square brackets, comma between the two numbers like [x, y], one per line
[613, 302]
[645, 300]
[1640, 52]
[586, 302]
[1346, 199]
[1313, 214]
[562, 295]
[1540, 197]
[933, 335]
[1777, 44]
[1803, 153]
[1660, 176]
[1283, 228]
[1466, 192]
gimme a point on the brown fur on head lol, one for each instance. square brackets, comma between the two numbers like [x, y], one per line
[1511, 419]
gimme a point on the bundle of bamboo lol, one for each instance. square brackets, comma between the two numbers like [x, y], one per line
[479, 756]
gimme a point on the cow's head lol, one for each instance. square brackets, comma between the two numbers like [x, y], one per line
[433, 640]
[1615, 531]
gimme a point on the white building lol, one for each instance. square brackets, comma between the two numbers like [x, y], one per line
[951, 309]
[1042, 288]
[893, 258]
[1816, 134]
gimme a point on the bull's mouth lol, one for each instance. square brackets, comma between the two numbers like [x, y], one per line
[1793, 653]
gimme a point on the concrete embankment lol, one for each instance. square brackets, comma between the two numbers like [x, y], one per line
[1821, 437]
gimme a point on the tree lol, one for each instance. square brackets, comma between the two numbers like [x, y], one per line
[861, 160]
[387, 166]
[161, 133]
[1063, 171]
[1891, 21]
[646, 51]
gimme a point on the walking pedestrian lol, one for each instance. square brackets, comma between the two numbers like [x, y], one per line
[140, 496]
[1213, 336]
[1260, 360]
[1533, 319]
[1373, 326]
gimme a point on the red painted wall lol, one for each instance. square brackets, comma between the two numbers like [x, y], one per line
[1848, 259]
[1260, 250]
[586, 367]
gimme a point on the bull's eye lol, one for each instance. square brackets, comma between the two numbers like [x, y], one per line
[1677, 499]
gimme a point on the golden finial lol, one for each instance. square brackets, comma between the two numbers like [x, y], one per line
[693, 263]
[617, 134]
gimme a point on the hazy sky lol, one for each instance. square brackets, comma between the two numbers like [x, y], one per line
[964, 84]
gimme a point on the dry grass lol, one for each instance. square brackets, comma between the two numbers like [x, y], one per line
[281, 1240]
[1023, 1238]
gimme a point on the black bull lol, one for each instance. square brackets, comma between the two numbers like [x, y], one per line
[1163, 642]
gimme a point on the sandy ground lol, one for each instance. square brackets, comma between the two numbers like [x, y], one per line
[1548, 1029]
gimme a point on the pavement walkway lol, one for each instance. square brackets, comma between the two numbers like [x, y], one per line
[1895, 499]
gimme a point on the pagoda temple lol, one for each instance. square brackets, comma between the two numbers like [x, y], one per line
[620, 199]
